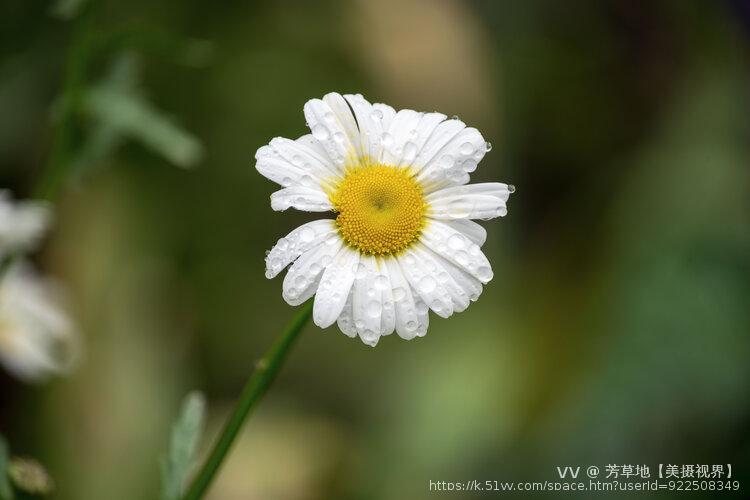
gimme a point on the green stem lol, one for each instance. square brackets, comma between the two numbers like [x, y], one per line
[69, 107]
[265, 372]
[64, 134]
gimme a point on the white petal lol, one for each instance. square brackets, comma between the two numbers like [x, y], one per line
[366, 301]
[372, 125]
[346, 319]
[312, 143]
[302, 279]
[327, 127]
[443, 134]
[37, 339]
[471, 229]
[419, 137]
[438, 266]
[407, 320]
[316, 169]
[398, 139]
[343, 113]
[372, 305]
[387, 113]
[334, 287]
[383, 282]
[301, 198]
[423, 316]
[454, 162]
[471, 286]
[420, 272]
[474, 201]
[458, 249]
[22, 224]
[294, 244]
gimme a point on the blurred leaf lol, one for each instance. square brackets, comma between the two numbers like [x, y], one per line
[183, 444]
[6, 491]
[132, 115]
[67, 9]
[121, 112]
[30, 476]
[103, 138]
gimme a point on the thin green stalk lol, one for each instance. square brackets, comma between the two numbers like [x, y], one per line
[265, 372]
[67, 128]
[66, 125]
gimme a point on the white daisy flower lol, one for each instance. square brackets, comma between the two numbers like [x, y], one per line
[22, 224]
[37, 338]
[403, 241]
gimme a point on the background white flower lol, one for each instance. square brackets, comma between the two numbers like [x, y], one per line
[37, 338]
[403, 241]
[22, 224]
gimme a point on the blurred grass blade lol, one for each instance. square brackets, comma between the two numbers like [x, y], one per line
[6, 491]
[136, 117]
[183, 444]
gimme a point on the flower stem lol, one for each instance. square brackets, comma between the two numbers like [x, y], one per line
[265, 372]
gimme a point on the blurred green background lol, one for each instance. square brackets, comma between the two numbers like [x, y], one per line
[615, 330]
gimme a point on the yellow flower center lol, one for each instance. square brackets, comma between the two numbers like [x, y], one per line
[381, 209]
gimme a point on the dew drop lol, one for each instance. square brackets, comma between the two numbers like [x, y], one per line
[381, 282]
[374, 308]
[307, 235]
[446, 161]
[469, 166]
[488, 146]
[399, 293]
[386, 139]
[320, 132]
[410, 151]
[466, 148]
[459, 209]
[427, 284]
[360, 271]
[484, 273]
[456, 241]
[462, 257]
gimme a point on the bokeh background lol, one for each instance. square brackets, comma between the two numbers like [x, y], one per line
[615, 330]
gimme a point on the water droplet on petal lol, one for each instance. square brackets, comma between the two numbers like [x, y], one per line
[427, 284]
[410, 151]
[381, 282]
[484, 273]
[446, 161]
[374, 309]
[466, 148]
[456, 241]
[320, 132]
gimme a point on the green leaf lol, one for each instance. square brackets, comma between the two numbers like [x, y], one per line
[186, 433]
[133, 116]
[6, 491]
